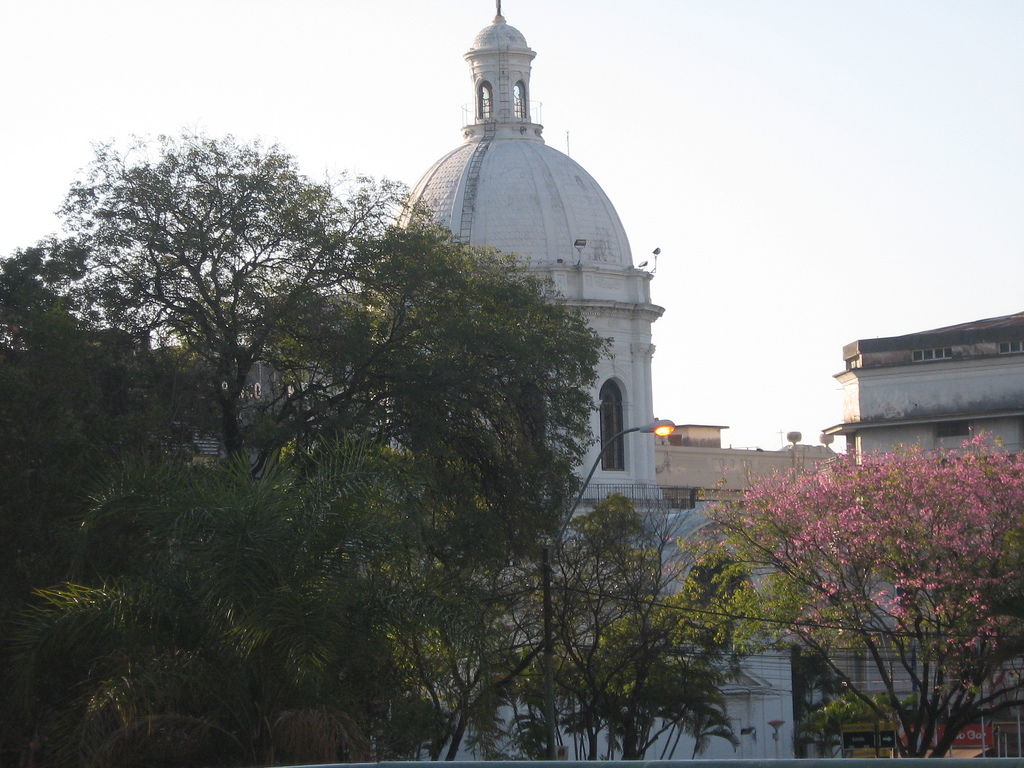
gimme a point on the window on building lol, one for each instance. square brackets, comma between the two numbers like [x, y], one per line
[485, 102]
[953, 429]
[936, 353]
[614, 455]
[1011, 347]
[519, 100]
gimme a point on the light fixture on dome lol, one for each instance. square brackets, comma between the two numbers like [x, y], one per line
[579, 245]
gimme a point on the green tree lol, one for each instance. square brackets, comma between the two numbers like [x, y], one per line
[640, 652]
[822, 727]
[227, 251]
[306, 313]
[815, 686]
[73, 396]
[460, 357]
[462, 638]
[214, 246]
[197, 269]
[228, 627]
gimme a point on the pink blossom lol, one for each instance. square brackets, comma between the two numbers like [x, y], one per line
[906, 550]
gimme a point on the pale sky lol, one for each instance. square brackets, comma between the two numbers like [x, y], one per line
[813, 171]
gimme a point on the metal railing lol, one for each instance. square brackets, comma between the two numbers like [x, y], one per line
[646, 495]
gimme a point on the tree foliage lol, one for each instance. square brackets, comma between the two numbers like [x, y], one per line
[217, 618]
[222, 618]
[640, 654]
[212, 245]
[815, 687]
[228, 255]
[462, 637]
[206, 287]
[227, 252]
[72, 397]
[822, 727]
[898, 560]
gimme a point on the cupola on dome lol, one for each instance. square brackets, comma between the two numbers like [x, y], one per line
[499, 35]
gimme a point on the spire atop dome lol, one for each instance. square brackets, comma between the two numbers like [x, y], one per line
[498, 16]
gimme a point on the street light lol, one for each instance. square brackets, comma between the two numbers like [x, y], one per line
[659, 427]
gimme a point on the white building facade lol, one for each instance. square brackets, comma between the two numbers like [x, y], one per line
[504, 187]
[935, 388]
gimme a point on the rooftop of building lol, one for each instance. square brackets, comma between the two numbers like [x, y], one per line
[991, 336]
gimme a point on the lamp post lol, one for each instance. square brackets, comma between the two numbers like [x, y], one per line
[660, 427]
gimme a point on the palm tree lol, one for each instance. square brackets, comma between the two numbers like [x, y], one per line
[222, 626]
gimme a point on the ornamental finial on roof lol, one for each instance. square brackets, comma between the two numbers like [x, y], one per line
[499, 16]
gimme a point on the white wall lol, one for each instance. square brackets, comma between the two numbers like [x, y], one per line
[933, 388]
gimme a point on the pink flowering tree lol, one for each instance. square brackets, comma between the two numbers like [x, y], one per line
[894, 569]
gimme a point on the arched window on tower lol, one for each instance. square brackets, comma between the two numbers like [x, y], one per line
[519, 100]
[614, 455]
[485, 101]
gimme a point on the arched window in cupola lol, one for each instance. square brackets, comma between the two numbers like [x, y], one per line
[614, 455]
[484, 101]
[519, 100]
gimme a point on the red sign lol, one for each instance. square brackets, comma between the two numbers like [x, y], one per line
[972, 736]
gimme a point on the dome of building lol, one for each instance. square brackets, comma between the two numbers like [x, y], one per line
[524, 197]
[499, 35]
[505, 188]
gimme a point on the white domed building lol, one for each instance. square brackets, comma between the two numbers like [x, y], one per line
[504, 187]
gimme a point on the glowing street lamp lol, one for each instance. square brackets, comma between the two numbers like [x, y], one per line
[663, 427]
[659, 427]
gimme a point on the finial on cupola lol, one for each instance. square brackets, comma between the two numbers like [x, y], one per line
[498, 3]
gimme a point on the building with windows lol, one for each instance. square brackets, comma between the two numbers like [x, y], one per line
[935, 388]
